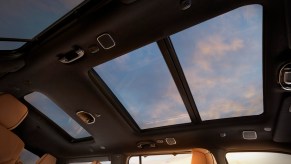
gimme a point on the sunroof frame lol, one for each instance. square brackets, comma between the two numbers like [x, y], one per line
[175, 68]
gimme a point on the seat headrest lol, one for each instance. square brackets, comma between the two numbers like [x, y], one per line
[47, 159]
[12, 111]
[202, 156]
[10, 146]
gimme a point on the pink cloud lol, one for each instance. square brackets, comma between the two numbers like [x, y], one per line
[217, 45]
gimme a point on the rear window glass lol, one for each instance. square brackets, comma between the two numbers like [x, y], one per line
[162, 159]
[101, 162]
[258, 157]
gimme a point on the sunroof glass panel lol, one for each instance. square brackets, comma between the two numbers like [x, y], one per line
[56, 114]
[5, 45]
[143, 84]
[26, 19]
[222, 61]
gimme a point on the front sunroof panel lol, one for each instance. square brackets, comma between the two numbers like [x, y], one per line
[56, 114]
[222, 61]
[6, 45]
[26, 19]
[143, 84]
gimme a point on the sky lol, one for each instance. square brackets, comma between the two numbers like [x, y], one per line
[145, 87]
[222, 61]
[26, 19]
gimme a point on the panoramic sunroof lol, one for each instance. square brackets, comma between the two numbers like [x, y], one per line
[26, 19]
[222, 61]
[56, 114]
[7, 45]
[143, 84]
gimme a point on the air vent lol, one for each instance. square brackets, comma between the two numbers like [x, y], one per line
[86, 117]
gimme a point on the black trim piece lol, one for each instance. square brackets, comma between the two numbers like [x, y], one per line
[288, 21]
[176, 70]
[97, 80]
[15, 40]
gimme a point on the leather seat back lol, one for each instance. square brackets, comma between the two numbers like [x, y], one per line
[12, 111]
[10, 146]
[202, 156]
[47, 159]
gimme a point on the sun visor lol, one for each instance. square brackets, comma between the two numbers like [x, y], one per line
[12, 111]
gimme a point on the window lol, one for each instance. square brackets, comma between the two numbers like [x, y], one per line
[28, 157]
[32, 17]
[222, 62]
[162, 159]
[56, 114]
[143, 84]
[102, 162]
[258, 157]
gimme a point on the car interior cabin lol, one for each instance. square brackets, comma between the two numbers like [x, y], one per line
[145, 82]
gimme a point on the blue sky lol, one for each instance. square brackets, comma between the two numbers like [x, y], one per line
[144, 85]
[222, 61]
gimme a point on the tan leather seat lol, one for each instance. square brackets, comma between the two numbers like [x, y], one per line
[47, 159]
[12, 111]
[202, 156]
[10, 146]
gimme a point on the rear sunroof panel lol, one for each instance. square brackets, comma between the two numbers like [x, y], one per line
[143, 84]
[26, 19]
[222, 61]
[56, 114]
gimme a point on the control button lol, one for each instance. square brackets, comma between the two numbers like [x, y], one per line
[287, 78]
